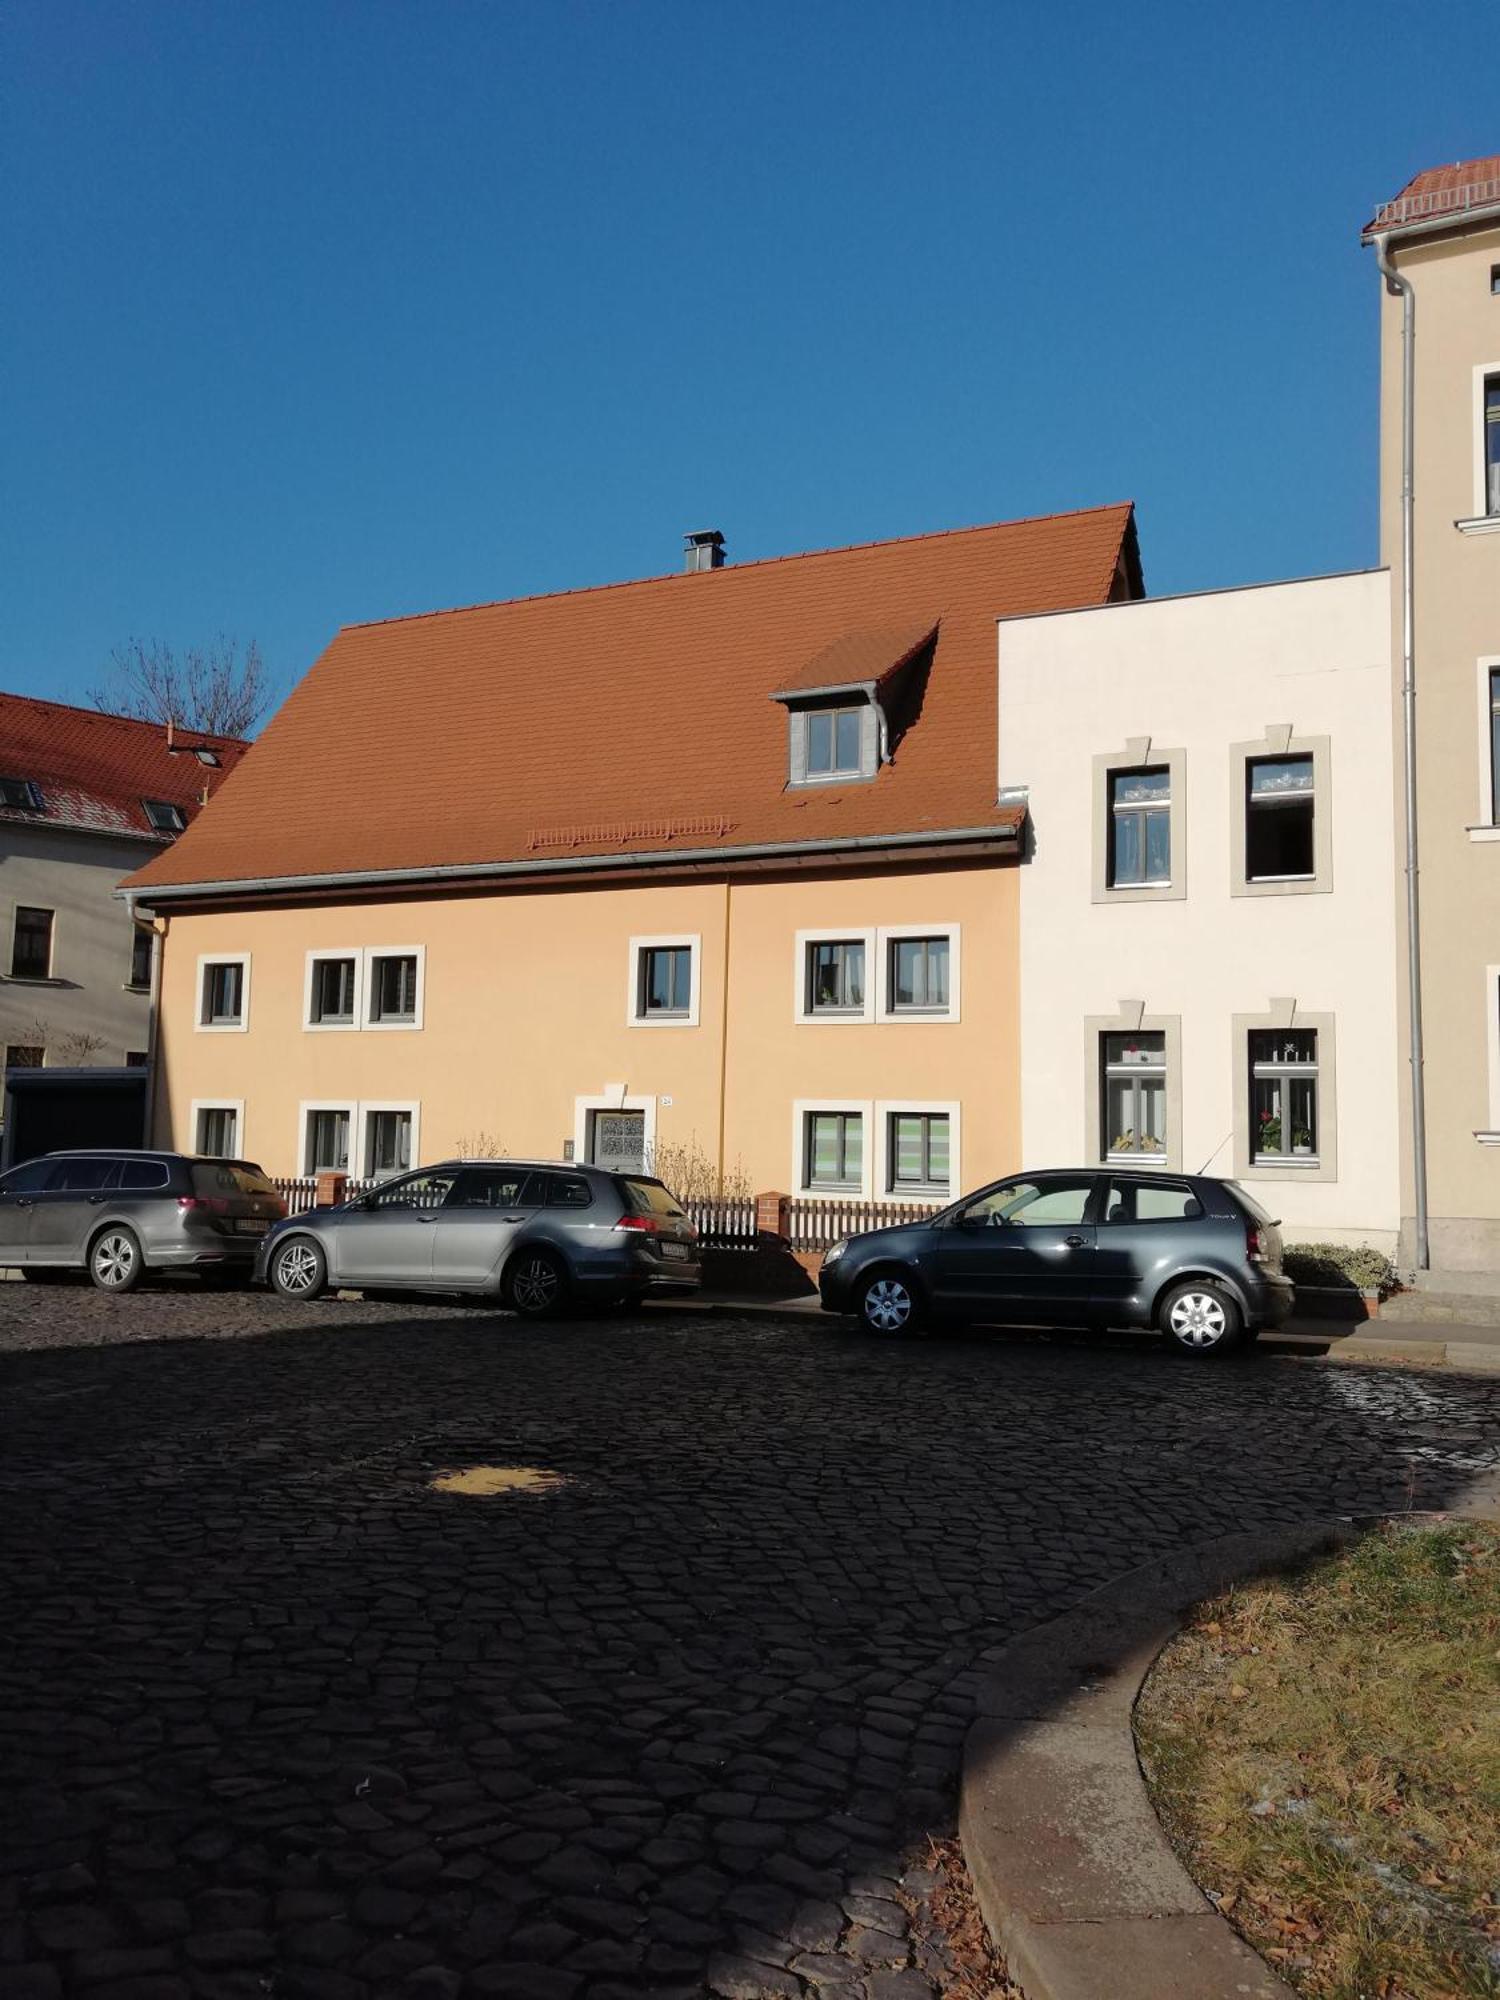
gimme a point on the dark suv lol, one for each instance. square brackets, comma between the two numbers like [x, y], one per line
[533, 1234]
[1196, 1258]
[118, 1214]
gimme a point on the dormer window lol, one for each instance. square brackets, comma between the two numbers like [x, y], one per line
[164, 816]
[840, 728]
[20, 794]
[833, 742]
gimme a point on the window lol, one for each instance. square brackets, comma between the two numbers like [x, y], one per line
[393, 989]
[31, 944]
[164, 816]
[917, 1153]
[1492, 444]
[136, 1059]
[327, 1146]
[830, 742]
[617, 1140]
[1284, 1096]
[86, 1176]
[836, 977]
[333, 985]
[142, 948]
[498, 1188]
[141, 1174]
[1495, 281]
[1034, 1204]
[833, 742]
[918, 974]
[835, 1151]
[428, 1190]
[20, 795]
[1134, 1095]
[666, 979]
[663, 982]
[568, 1191]
[218, 1133]
[1279, 811]
[1150, 1201]
[36, 1177]
[24, 1055]
[224, 992]
[1140, 828]
[387, 1142]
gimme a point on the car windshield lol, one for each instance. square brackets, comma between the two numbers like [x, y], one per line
[651, 1198]
[230, 1177]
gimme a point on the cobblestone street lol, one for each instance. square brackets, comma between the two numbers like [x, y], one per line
[278, 1718]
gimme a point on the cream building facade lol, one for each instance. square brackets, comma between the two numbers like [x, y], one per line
[1208, 969]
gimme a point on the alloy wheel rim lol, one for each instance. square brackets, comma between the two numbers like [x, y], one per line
[114, 1259]
[297, 1267]
[1198, 1319]
[536, 1285]
[887, 1305]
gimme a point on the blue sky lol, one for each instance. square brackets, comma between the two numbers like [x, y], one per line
[316, 312]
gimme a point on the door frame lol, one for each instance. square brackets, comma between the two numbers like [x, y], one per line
[613, 1098]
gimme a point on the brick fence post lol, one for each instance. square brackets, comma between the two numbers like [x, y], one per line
[332, 1188]
[773, 1216]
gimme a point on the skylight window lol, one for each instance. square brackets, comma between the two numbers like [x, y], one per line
[164, 816]
[20, 794]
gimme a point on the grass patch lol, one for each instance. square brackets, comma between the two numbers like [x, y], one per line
[1324, 1752]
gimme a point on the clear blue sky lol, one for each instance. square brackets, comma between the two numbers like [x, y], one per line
[315, 313]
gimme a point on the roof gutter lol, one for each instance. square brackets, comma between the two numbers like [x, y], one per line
[1401, 287]
[150, 896]
[1487, 217]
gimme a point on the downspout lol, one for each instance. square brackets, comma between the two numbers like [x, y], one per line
[1400, 287]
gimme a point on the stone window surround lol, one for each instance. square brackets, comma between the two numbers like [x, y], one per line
[887, 1108]
[1279, 741]
[1138, 751]
[635, 1014]
[206, 960]
[835, 1017]
[1285, 1014]
[865, 1108]
[872, 752]
[1132, 1019]
[1485, 826]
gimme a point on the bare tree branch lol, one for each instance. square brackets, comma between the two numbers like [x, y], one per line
[217, 688]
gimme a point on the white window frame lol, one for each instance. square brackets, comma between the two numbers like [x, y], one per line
[305, 1112]
[1161, 1071]
[368, 1107]
[1486, 823]
[889, 934]
[207, 959]
[309, 981]
[801, 1110]
[613, 1097]
[635, 1016]
[1286, 1073]
[1281, 1015]
[826, 1017]
[1481, 517]
[235, 1104]
[1491, 1136]
[367, 988]
[887, 1108]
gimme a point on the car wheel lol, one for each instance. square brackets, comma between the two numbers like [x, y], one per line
[115, 1260]
[536, 1284]
[888, 1304]
[1200, 1318]
[299, 1270]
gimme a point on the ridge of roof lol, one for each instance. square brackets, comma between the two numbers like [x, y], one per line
[8, 695]
[739, 568]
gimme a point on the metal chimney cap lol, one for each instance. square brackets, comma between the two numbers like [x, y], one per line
[704, 549]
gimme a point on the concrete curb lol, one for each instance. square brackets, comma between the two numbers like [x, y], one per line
[1073, 1874]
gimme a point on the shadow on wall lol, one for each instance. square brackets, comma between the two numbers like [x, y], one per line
[266, 1687]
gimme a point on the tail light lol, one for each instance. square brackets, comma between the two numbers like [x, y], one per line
[1255, 1245]
[205, 1204]
[652, 1225]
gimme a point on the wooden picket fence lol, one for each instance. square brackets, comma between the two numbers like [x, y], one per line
[815, 1223]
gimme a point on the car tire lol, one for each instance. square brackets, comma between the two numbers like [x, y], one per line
[298, 1270]
[1200, 1318]
[115, 1260]
[536, 1283]
[888, 1304]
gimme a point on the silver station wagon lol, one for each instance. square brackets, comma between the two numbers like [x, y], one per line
[534, 1234]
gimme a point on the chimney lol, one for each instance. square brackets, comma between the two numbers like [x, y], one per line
[703, 550]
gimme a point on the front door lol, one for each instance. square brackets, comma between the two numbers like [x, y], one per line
[19, 1190]
[387, 1239]
[617, 1140]
[479, 1221]
[68, 1207]
[1022, 1251]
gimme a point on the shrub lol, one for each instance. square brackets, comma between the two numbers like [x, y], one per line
[1341, 1264]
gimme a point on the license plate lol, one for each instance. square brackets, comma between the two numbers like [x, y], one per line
[246, 1227]
[674, 1249]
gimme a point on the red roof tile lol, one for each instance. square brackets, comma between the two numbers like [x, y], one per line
[634, 717]
[1441, 192]
[869, 655]
[94, 771]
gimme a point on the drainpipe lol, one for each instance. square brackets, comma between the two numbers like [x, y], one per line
[1400, 287]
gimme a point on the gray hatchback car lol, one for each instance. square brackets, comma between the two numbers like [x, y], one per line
[118, 1214]
[1198, 1259]
[532, 1233]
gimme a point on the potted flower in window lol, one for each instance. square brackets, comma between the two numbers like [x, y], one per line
[1270, 1133]
[1301, 1139]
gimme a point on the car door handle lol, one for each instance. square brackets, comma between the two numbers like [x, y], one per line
[96, 1200]
[425, 1218]
[512, 1218]
[24, 1201]
[1075, 1242]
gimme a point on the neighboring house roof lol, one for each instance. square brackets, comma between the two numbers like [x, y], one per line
[634, 718]
[94, 772]
[1440, 193]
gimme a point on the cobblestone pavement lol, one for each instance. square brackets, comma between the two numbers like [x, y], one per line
[277, 1718]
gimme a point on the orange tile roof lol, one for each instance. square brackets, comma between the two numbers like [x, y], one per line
[93, 770]
[634, 718]
[870, 654]
[1440, 192]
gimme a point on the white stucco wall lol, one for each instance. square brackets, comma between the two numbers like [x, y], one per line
[1197, 675]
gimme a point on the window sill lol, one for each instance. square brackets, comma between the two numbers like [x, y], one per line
[684, 1020]
[1488, 1138]
[221, 1027]
[1136, 1160]
[378, 1026]
[844, 1191]
[1479, 524]
[1137, 888]
[918, 1194]
[1478, 833]
[33, 979]
[833, 1017]
[1286, 1163]
[130, 986]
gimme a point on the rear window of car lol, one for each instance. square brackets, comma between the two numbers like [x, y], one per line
[230, 1177]
[139, 1175]
[651, 1198]
[1251, 1206]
